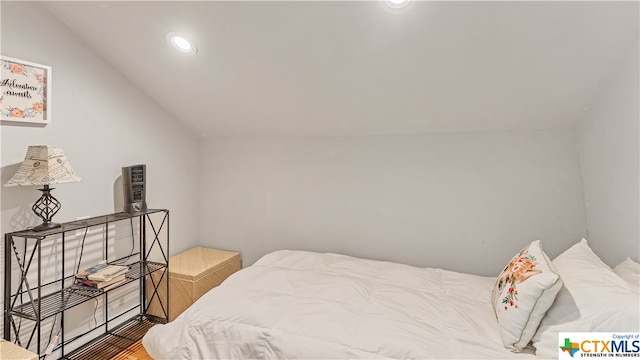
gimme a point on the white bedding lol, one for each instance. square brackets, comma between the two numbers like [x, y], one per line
[303, 305]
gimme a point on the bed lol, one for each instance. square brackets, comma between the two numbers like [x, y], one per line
[305, 305]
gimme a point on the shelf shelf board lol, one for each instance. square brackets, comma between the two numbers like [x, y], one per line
[69, 297]
[115, 341]
[82, 224]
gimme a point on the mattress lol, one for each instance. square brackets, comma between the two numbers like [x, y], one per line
[305, 305]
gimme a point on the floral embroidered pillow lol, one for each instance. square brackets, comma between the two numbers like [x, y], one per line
[523, 293]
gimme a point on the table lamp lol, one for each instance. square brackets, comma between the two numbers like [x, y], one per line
[44, 165]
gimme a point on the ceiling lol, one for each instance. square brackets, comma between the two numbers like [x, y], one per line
[337, 68]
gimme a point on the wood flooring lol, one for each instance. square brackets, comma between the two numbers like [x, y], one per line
[134, 352]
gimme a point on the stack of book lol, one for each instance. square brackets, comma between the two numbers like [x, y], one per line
[102, 276]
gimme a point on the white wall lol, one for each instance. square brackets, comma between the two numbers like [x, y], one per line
[609, 154]
[102, 123]
[465, 202]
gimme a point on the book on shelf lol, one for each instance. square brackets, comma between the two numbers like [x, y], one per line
[102, 284]
[92, 270]
[102, 272]
[82, 287]
[112, 285]
[109, 272]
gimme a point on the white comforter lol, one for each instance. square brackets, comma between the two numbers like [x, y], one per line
[303, 305]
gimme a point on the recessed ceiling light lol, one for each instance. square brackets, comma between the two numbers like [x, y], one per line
[397, 4]
[181, 43]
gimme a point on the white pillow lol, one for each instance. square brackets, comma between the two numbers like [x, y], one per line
[629, 270]
[593, 299]
[523, 292]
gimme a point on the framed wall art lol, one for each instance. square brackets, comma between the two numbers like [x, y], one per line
[25, 97]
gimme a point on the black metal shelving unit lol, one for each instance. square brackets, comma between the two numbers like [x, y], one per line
[30, 298]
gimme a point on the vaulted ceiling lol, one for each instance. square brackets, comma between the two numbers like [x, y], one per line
[316, 68]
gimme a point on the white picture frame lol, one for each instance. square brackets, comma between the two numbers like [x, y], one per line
[25, 92]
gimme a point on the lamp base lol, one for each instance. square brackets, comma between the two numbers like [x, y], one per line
[46, 226]
[45, 208]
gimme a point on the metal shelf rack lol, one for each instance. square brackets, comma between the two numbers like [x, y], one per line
[30, 297]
